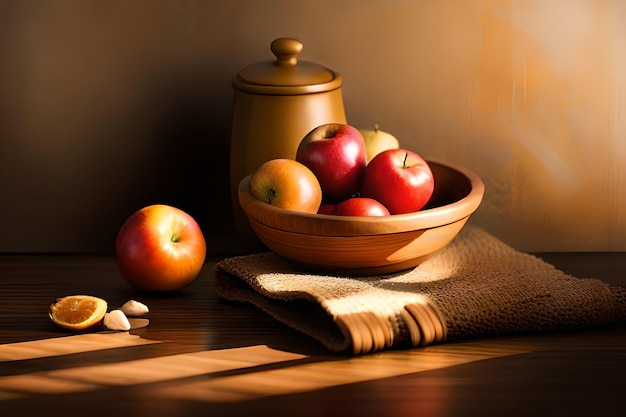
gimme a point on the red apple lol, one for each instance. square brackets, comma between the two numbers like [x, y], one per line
[287, 184]
[399, 179]
[326, 208]
[360, 206]
[336, 155]
[160, 248]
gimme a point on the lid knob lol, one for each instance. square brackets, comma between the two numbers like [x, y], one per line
[286, 51]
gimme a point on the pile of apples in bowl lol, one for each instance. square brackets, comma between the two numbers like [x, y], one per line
[344, 208]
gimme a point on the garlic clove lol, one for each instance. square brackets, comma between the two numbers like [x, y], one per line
[116, 320]
[134, 308]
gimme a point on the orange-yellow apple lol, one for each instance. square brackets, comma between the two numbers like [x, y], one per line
[336, 154]
[287, 184]
[160, 248]
[377, 141]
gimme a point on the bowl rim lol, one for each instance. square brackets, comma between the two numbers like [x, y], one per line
[361, 225]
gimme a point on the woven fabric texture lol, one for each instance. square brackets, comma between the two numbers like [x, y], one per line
[475, 287]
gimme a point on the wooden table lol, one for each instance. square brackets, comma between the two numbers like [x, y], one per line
[203, 356]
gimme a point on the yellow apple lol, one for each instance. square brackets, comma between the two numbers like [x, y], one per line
[377, 141]
[287, 184]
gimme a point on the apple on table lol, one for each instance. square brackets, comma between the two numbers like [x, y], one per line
[160, 248]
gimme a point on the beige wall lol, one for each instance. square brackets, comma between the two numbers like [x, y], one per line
[109, 106]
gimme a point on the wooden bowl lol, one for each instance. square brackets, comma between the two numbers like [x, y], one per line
[347, 245]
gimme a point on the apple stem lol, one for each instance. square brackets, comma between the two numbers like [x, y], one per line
[271, 196]
[175, 238]
[406, 156]
[376, 127]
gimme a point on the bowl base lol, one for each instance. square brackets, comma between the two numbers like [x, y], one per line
[360, 272]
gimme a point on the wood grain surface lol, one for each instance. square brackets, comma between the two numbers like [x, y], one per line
[203, 356]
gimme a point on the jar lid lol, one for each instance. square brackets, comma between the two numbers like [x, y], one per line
[286, 75]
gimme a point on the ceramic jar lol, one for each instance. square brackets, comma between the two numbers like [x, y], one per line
[276, 103]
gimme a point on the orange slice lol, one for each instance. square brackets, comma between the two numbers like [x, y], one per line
[77, 312]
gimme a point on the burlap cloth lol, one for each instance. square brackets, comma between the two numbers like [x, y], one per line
[477, 286]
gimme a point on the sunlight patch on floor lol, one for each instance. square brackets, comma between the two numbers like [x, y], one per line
[226, 375]
[314, 375]
[68, 345]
